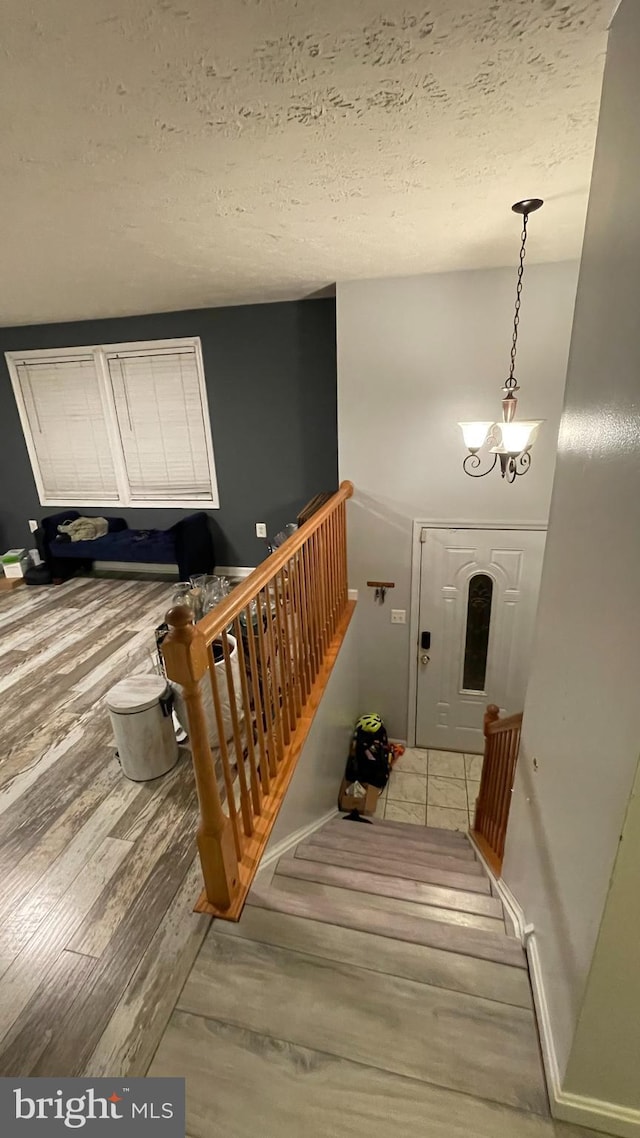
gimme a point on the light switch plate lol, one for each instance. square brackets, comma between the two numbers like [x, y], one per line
[33, 525]
[398, 616]
[261, 529]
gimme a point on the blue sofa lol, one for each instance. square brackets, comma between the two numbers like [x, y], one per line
[188, 544]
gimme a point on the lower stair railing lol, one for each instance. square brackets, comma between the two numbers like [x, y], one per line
[252, 673]
[501, 746]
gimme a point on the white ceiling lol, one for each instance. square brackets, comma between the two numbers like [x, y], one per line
[166, 154]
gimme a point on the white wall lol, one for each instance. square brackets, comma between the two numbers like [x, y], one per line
[313, 790]
[606, 1047]
[415, 355]
[582, 713]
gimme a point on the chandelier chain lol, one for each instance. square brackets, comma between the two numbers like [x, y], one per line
[511, 382]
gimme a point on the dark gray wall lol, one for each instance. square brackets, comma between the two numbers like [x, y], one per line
[271, 382]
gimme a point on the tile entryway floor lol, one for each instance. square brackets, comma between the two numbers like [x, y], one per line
[432, 788]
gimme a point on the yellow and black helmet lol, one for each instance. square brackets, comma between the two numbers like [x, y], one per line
[369, 723]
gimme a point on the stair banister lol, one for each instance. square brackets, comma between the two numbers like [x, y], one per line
[288, 619]
[501, 746]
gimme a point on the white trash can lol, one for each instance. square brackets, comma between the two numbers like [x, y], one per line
[140, 712]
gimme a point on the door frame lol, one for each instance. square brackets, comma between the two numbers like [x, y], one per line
[414, 611]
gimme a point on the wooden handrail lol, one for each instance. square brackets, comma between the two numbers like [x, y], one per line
[497, 726]
[277, 636]
[221, 616]
[502, 743]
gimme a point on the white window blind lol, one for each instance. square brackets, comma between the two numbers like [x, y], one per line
[161, 423]
[68, 429]
[125, 423]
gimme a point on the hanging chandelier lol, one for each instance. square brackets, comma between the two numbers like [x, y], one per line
[512, 438]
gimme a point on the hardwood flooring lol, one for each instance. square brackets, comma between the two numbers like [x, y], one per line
[97, 933]
[353, 1011]
[242, 1083]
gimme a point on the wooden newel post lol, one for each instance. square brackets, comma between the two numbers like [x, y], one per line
[185, 654]
[491, 714]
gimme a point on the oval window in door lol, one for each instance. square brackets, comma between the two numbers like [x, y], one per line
[476, 645]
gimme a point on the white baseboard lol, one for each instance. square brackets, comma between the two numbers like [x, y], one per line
[283, 846]
[607, 1117]
[247, 570]
[514, 910]
[168, 570]
[234, 570]
[511, 904]
[158, 570]
[547, 1043]
[526, 936]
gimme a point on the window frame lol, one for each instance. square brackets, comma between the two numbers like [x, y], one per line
[101, 352]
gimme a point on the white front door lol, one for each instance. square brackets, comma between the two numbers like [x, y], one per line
[478, 600]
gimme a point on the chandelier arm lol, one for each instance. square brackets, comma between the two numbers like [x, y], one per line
[515, 465]
[523, 461]
[471, 464]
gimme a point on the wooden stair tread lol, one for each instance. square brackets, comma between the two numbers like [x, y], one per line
[461, 849]
[411, 830]
[390, 905]
[433, 874]
[436, 934]
[409, 853]
[382, 885]
[483, 978]
[422, 837]
[423, 1033]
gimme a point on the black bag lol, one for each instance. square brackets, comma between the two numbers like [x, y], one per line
[368, 760]
[38, 575]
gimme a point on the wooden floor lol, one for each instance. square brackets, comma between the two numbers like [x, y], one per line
[358, 997]
[98, 875]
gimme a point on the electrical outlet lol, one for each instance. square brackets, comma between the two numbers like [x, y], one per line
[261, 529]
[398, 616]
[33, 525]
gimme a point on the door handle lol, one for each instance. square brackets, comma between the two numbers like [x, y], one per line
[424, 659]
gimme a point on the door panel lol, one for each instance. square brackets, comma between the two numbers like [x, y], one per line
[449, 715]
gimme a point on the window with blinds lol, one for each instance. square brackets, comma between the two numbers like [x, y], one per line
[123, 423]
[67, 426]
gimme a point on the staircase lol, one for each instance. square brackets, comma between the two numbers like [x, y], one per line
[409, 883]
[373, 979]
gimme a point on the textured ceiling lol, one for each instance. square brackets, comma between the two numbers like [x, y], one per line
[178, 153]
